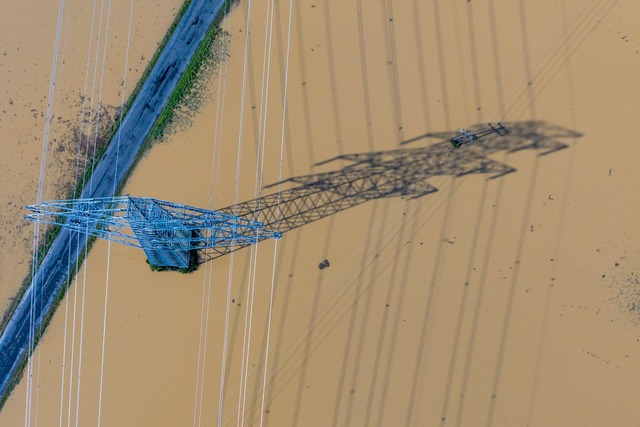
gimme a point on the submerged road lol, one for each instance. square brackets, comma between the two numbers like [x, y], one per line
[107, 176]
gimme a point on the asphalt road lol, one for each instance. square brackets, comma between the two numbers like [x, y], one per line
[108, 175]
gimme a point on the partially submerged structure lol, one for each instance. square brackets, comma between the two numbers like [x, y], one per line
[166, 231]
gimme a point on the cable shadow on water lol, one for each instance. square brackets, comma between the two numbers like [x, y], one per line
[465, 291]
[342, 378]
[395, 173]
[402, 172]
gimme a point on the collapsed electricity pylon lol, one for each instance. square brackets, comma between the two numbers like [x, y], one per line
[167, 232]
[170, 234]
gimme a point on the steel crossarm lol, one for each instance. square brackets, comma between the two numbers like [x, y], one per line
[166, 231]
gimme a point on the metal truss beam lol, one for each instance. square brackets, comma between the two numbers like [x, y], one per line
[166, 231]
[169, 233]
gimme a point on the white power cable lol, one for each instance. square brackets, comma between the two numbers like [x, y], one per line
[266, 73]
[237, 185]
[275, 249]
[75, 183]
[73, 329]
[215, 157]
[47, 183]
[106, 289]
[43, 161]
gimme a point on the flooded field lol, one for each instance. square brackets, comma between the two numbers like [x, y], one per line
[504, 301]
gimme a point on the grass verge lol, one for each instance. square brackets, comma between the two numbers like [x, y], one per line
[194, 262]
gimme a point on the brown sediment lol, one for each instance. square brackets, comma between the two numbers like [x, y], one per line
[379, 317]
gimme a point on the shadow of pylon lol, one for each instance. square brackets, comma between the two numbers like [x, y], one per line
[401, 173]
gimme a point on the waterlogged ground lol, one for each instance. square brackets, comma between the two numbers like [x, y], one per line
[510, 301]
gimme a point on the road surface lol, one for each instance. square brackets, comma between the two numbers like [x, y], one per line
[107, 177]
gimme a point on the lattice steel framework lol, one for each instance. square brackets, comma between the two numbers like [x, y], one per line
[167, 232]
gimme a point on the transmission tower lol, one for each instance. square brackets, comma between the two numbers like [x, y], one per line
[167, 232]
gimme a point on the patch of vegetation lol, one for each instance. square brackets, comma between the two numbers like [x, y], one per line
[156, 55]
[192, 88]
[194, 262]
[625, 293]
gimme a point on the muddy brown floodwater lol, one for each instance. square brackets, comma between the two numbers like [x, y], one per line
[500, 302]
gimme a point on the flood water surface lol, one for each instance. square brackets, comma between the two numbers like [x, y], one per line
[505, 301]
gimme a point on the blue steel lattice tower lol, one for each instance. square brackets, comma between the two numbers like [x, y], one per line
[166, 231]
